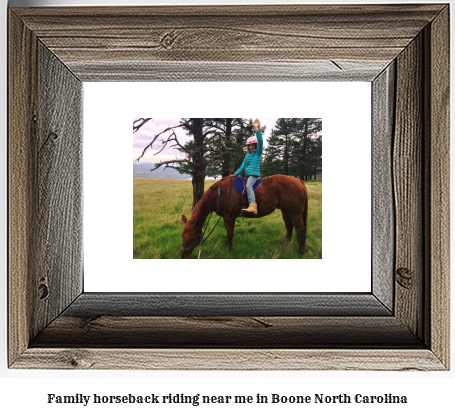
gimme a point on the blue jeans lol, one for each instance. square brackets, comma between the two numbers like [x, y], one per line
[251, 180]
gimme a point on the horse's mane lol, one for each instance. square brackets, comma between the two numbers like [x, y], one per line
[208, 195]
[215, 185]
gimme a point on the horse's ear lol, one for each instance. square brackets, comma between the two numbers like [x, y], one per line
[185, 220]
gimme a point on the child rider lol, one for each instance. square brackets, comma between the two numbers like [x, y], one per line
[250, 167]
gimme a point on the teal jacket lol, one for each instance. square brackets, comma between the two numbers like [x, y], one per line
[252, 160]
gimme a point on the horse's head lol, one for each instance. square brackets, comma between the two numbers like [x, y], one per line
[191, 235]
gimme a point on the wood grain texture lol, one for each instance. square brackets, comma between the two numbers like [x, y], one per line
[214, 305]
[228, 34]
[309, 71]
[383, 215]
[408, 188]
[21, 128]
[45, 187]
[57, 251]
[438, 255]
[230, 359]
[255, 332]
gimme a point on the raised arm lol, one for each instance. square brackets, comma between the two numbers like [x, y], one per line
[259, 137]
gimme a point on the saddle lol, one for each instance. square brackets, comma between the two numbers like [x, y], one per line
[240, 188]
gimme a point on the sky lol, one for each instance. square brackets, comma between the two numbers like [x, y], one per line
[143, 137]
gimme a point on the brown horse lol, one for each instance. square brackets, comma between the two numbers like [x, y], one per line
[275, 192]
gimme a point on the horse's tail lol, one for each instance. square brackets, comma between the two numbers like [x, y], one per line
[305, 206]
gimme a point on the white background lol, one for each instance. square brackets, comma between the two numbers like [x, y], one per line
[108, 187]
[25, 390]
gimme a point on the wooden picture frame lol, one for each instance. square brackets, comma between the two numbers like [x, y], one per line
[403, 324]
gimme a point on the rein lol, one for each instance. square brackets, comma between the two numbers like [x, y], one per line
[201, 239]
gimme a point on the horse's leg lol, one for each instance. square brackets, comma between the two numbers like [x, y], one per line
[288, 224]
[300, 229]
[229, 222]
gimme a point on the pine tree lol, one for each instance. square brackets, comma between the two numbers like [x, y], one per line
[224, 150]
[279, 153]
[194, 127]
[308, 149]
[294, 148]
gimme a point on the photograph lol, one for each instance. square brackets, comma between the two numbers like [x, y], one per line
[189, 194]
[221, 188]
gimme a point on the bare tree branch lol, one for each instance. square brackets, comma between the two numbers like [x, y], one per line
[168, 164]
[154, 139]
[166, 142]
[188, 126]
[137, 124]
[214, 132]
[177, 144]
[214, 125]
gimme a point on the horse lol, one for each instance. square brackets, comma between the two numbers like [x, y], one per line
[275, 192]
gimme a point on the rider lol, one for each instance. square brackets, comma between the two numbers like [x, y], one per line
[250, 167]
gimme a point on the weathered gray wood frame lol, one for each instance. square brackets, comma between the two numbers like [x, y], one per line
[403, 50]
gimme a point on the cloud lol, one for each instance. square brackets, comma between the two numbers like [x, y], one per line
[146, 134]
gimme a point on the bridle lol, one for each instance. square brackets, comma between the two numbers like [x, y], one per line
[201, 238]
[198, 242]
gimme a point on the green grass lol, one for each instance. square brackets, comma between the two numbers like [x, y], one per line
[157, 225]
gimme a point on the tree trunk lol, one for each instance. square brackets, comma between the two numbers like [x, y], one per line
[226, 152]
[286, 156]
[305, 133]
[198, 172]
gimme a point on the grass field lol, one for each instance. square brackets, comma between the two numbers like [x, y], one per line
[157, 225]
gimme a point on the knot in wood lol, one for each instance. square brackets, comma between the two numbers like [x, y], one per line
[53, 136]
[168, 39]
[76, 359]
[43, 291]
[405, 278]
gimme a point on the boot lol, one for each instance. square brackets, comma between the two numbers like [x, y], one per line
[253, 208]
